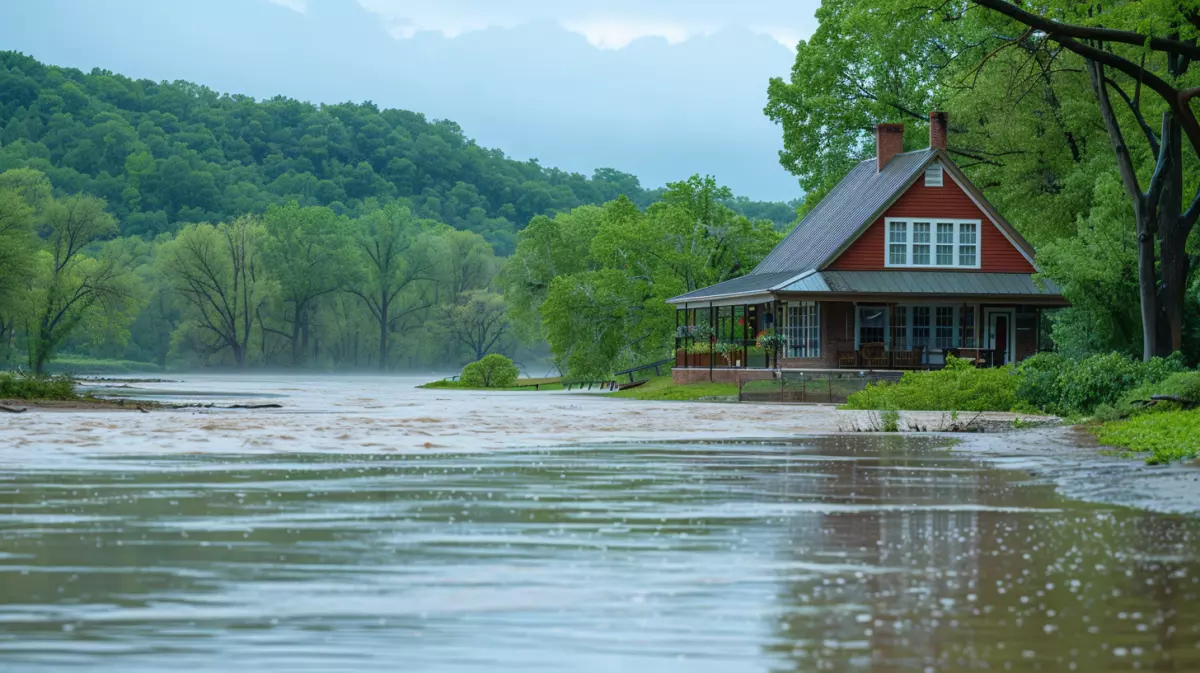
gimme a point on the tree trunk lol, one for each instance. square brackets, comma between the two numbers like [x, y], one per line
[384, 310]
[296, 338]
[1172, 240]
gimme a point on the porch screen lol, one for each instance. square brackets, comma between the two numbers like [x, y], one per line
[803, 330]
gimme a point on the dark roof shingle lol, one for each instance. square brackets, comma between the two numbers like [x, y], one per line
[851, 204]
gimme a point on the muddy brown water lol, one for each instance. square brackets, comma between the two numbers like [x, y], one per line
[843, 554]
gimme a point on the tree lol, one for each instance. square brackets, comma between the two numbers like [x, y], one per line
[396, 251]
[218, 272]
[68, 283]
[478, 321]
[308, 251]
[17, 250]
[492, 371]
[1149, 48]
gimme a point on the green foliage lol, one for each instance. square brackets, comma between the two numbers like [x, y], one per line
[1165, 435]
[605, 310]
[29, 387]
[76, 365]
[493, 371]
[1184, 385]
[170, 153]
[889, 420]
[957, 387]
[1076, 387]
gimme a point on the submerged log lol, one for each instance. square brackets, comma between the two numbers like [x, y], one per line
[255, 406]
[13, 410]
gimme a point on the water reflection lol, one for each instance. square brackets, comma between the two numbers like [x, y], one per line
[848, 554]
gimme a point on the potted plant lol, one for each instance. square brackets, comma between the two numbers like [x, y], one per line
[773, 342]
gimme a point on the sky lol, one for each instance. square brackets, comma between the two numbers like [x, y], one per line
[661, 89]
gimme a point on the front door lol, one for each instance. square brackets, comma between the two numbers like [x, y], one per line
[1000, 336]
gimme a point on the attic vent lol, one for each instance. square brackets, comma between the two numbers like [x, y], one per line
[933, 175]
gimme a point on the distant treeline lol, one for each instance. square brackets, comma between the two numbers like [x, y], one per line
[165, 154]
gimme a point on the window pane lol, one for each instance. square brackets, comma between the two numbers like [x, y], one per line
[920, 232]
[792, 331]
[870, 324]
[897, 254]
[966, 255]
[920, 326]
[945, 255]
[969, 327]
[898, 232]
[900, 328]
[945, 232]
[966, 232]
[944, 336]
[920, 255]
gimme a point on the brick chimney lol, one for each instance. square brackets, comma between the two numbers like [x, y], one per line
[889, 141]
[937, 130]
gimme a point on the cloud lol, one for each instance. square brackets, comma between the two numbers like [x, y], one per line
[300, 6]
[607, 24]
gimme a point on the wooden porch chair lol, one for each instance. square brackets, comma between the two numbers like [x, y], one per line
[874, 356]
[909, 359]
[847, 357]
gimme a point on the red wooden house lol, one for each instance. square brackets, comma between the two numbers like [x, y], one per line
[902, 263]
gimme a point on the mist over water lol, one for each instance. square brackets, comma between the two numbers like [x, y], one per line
[848, 553]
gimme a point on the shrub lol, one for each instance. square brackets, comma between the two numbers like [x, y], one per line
[27, 387]
[1184, 385]
[957, 387]
[493, 371]
[1068, 387]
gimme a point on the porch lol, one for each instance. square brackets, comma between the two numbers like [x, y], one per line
[868, 335]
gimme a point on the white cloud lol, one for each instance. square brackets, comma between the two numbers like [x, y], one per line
[608, 24]
[616, 33]
[300, 6]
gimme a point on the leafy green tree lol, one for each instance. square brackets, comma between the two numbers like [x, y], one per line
[218, 272]
[69, 285]
[397, 253]
[308, 250]
[478, 321]
[492, 371]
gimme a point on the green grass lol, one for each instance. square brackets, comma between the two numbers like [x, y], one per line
[522, 385]
[1165, 435]
[664, 388]
[23, 387]
[78, 365]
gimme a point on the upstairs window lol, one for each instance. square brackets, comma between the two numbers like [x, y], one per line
[932, 243]
[933, 175]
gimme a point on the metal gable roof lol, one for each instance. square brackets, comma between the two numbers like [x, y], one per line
[853, 203]
[923, 282]
[749, 284]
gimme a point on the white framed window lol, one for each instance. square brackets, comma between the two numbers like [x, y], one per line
[933, 175]
[944, 328]
[938, 243]
[803, 329]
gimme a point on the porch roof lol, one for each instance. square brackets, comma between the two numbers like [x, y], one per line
[760, 287]
[923, 283]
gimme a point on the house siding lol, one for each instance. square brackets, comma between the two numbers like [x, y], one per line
[998, 255]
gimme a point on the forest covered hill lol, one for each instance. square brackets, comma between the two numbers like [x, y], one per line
[166, 153]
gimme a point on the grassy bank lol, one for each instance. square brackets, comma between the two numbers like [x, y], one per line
[80, 366]
[663, 388]
[1165, 435]
[529, 385]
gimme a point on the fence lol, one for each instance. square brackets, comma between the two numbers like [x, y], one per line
[810, 387]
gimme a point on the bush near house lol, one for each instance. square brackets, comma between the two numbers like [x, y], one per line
[957, 387]
[1067, 387]
[493, 371]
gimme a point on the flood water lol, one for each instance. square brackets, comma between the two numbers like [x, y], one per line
[855, 553]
